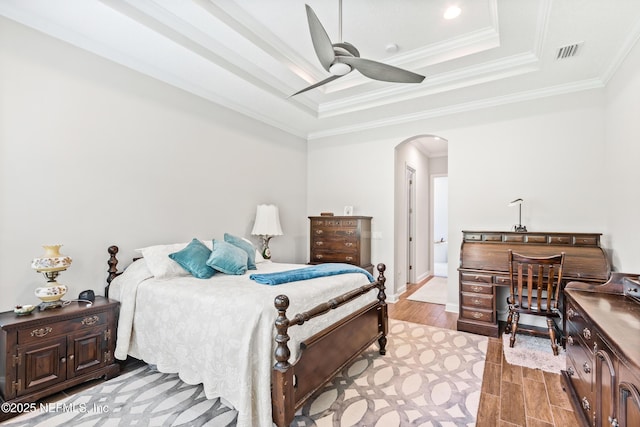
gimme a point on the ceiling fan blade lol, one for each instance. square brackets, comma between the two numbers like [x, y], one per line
[320, 39]
[379, 71]
[320, 83]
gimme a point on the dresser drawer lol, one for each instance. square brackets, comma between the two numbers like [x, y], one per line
[477, 300]
[331, 256]
[581, 357]
[578, 326]
[479, 315]
[476, 277]
[583, 388]
[39, 333]
[476, 287]
[334, 239]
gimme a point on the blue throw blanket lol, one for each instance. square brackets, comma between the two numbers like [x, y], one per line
[320, 270]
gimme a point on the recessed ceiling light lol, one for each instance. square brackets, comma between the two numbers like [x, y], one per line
[452, 12]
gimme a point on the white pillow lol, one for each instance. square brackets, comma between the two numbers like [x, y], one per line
[159, 263]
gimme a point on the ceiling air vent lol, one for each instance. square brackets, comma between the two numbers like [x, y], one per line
[568, 51]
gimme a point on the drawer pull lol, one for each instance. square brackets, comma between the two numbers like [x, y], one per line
[348, 244]
[613, 422]
[476, 301]
[585, 404]
[476, 288]
[320, 243]
[319, 256]
[349, 258]
[476, 315]
[319, 231]
[570, 371]
[88, 321]
[571, 313]
[586, 333]
[586, 368]
[41, 332]
[351, 232]
[570, 340]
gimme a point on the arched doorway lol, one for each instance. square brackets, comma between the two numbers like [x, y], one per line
[417, 160]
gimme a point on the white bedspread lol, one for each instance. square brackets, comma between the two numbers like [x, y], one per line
[219, 331]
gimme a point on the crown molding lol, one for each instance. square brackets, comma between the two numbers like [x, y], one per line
[461, 108]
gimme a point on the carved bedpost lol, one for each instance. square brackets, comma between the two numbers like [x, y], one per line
[383, 320]
[282, 378]
[113, 269]
[282, 352]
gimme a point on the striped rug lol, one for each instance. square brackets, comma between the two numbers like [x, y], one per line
[429, 377]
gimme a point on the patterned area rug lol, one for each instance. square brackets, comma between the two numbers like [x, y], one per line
[429, 377]
[534, 352]
[434, 291]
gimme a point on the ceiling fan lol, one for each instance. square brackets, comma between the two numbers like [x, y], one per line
[341, 58]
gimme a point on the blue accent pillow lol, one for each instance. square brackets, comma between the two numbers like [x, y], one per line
[245, 246]
[193, 258]
[227, 258]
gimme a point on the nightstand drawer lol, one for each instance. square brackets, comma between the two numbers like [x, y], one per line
[41, 332]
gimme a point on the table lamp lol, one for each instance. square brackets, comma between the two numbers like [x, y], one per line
[50, 265]
[267, 225]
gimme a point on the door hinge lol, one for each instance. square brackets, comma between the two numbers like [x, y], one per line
[17, 360]
[107, 335]
[107, 357]
[16, 386]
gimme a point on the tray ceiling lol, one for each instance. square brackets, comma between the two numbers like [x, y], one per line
[251, 55]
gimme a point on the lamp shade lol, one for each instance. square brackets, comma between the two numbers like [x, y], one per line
[267, 221]
[52, 260]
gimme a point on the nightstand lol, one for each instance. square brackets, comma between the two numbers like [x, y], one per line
[49, 351]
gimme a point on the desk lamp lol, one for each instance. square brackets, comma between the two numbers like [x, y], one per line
[518, 228]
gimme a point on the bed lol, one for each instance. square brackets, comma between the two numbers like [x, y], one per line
[236, 336]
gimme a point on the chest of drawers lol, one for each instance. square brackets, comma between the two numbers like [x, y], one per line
[344, 239]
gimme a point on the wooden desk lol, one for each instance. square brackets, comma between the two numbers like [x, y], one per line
[484, 265]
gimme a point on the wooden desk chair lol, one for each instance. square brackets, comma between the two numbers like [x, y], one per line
[535, 288]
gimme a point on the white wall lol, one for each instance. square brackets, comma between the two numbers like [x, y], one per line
[622, 164]
[94, 154]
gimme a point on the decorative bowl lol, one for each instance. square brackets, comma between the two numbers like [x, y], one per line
[23, 310]
[51, 293]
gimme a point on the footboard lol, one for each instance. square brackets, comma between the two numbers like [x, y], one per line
[325, 354]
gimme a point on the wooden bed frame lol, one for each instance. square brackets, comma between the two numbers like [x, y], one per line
[323, 355]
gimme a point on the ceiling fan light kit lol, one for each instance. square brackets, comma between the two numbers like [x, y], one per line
[341, 58]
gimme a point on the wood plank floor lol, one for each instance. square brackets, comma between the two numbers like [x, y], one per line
[511, 395]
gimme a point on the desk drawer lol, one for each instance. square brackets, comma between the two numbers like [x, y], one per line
[477, 314]
[478, 288]
[476, 277]
[477, 300]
